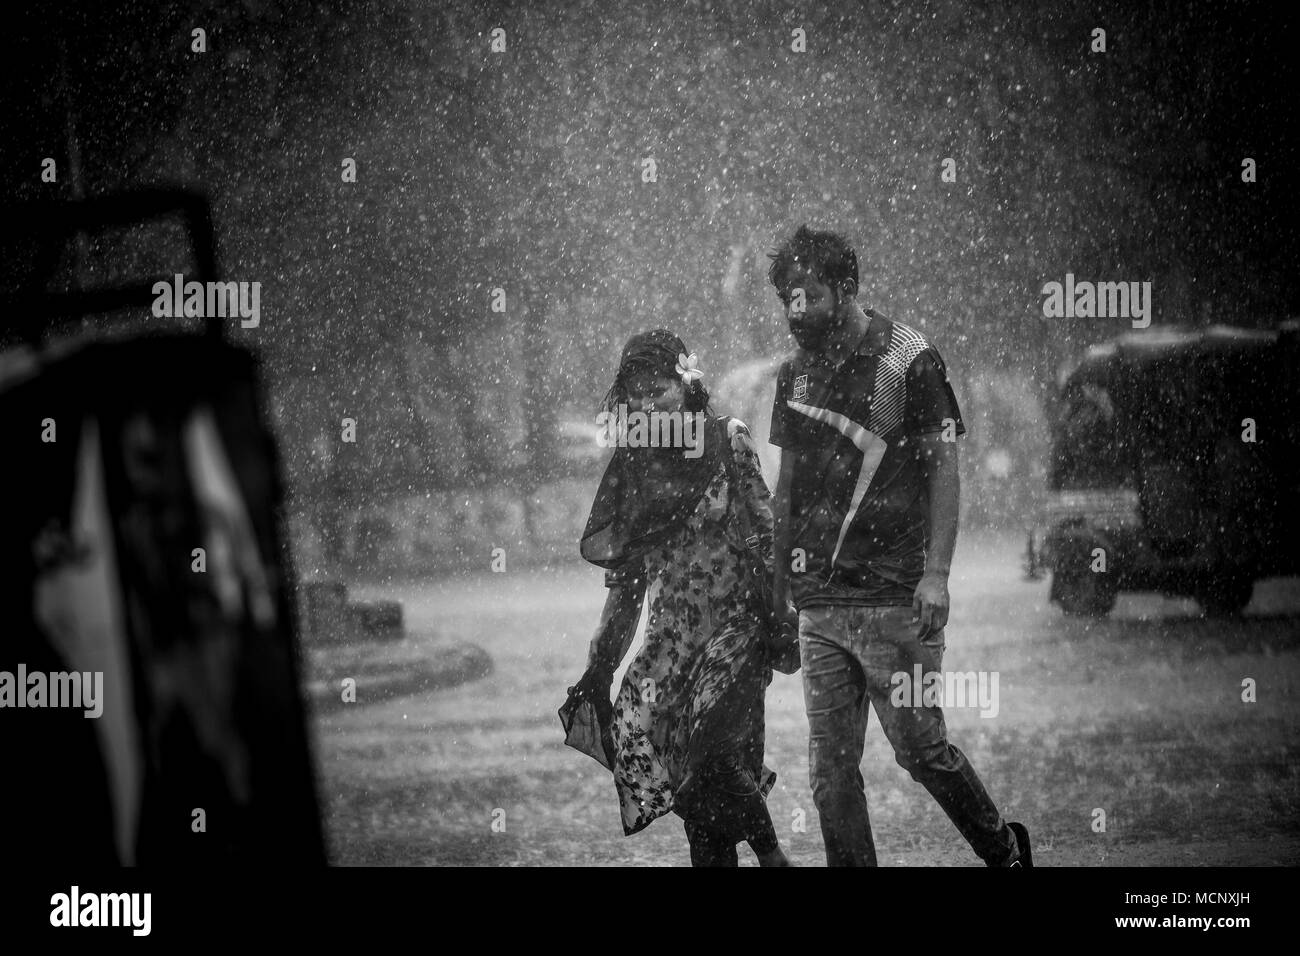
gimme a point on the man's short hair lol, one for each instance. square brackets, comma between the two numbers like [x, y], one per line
[828, 256]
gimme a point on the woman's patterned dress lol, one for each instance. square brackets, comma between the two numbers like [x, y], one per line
[702, 641]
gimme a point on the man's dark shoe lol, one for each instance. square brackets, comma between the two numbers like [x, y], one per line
[1026, 857]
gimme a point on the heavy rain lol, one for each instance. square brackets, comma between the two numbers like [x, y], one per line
[316, 522]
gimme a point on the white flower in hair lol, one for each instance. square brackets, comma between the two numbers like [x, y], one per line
[688, 369]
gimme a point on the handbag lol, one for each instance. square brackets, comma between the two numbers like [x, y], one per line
[780, 639]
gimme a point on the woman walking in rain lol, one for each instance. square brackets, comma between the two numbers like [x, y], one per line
[685, 733]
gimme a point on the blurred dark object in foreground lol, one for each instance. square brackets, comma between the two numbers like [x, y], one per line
[126, 456]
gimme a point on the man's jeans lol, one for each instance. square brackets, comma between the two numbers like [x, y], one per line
[848, 655]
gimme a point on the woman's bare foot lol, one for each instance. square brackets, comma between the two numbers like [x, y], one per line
[776, 858]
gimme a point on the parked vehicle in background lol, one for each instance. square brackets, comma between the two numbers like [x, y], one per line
[1172, 468]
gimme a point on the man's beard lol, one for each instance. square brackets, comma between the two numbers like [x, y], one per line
[813, 338]
[809, 339]
[662, 454]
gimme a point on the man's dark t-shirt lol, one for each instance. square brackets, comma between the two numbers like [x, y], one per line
[859, 502]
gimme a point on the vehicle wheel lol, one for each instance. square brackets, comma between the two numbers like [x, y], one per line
[1227, 597]
[1085, 594]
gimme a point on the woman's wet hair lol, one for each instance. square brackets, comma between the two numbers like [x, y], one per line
[655, 352]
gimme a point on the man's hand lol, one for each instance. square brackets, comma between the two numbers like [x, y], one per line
[783, 640]
[930, 602]
[782, 607]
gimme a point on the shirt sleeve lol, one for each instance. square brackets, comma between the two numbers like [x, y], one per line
[782, 432]
[931, 404]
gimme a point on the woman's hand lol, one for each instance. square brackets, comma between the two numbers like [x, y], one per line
[783, 642]
[594, 685]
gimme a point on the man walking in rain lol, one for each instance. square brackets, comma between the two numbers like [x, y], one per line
[866, 523]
